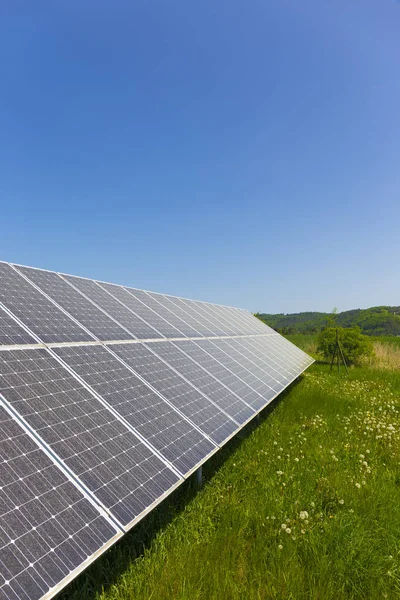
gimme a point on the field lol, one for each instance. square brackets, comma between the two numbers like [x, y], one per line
[304, 504]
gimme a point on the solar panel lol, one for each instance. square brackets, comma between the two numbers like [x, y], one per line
[157, 303]
[194, 322]
[187, 309]
[134, 324]
[49, 530]
[152, 416]
[151, 318]
[66, 296]
[11, 332]
[213, 389]
[109, 398]
[250, 324]
[237, 366]
[35, 311]
[121, 471]
[217, 319]
[266, 376]
[194, 405]
[136, 300]
[222, 373]
[267, 350]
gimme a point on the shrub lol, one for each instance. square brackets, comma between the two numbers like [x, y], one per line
[355, 346]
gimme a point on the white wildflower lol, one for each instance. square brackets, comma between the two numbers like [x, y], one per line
[341, 501]
[303, 515]
[288, 530]
[280, 547]
[358, 485]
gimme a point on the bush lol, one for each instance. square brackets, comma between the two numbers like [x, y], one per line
[355, 346]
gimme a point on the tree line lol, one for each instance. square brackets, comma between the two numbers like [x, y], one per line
[377, 320]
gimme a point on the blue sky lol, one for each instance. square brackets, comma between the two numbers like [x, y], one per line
[245, 153]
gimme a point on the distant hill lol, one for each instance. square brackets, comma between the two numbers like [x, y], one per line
[378, 320]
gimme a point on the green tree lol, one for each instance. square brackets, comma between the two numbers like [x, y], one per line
[355, 346]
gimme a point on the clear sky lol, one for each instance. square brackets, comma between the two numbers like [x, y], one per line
[245, 153]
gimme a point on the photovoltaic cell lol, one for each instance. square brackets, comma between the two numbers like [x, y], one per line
[204, 382]
[136, 301]
[167, 312]
[11, 333]
[188, 317]
[35, 311]
[122, 473]
[238, 326]
[48, 528]
[159, 423]
[258, 372]
[196, 308]
[137, 327]
[293, 358]
[249, 322]
[203, 326]
[178, 391]
[265, 371]
[267, 351]
[112, 426]
[222, 373]
[217, 319]
[214, 348]
[76, 305]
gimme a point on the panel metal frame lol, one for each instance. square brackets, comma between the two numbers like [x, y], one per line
[131, 427]
[119, 532]
[256, 332]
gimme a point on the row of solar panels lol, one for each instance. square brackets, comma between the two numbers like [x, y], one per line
[94, 435]
[63, 309]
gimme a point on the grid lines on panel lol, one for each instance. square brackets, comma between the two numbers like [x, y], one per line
[48, 528]
[270, 365]
[162, 426]
[35, 311]
[293, 357]
[189, 316]
[119, 470]
[167, 312]
[266, 373]
[216, 318]
[84, 311]
[203, 413]
[137, 327]
[11, 332]
[137, 301]
[208, 328]
[267, 351]
[222, 373]
[203, 381]
[239, 365]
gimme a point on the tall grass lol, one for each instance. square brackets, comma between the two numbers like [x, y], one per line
[303, 505]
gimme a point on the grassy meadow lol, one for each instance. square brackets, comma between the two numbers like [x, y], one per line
[303, 504]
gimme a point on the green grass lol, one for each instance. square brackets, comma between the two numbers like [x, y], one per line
[330, 447]
[388, 339]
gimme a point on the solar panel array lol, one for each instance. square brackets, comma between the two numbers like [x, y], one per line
[110, 397]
